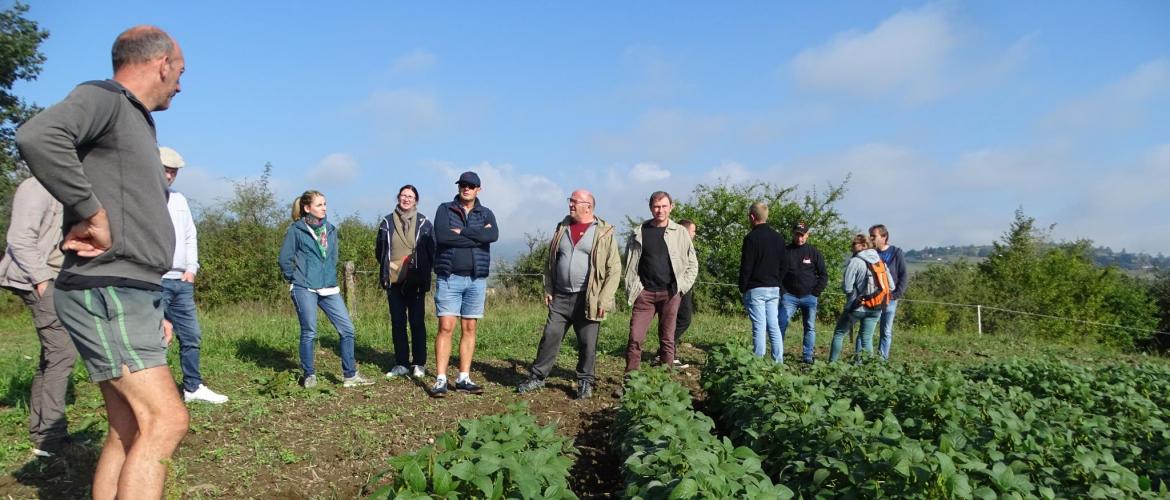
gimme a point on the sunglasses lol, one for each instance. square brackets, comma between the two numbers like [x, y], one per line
[464, 185]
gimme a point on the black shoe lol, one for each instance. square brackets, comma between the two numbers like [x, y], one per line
[530, 385]
[468, 387]
[584, 389]
[439, 390]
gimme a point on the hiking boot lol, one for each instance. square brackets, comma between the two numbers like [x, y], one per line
[309, 382]
[356, 380]
[203, 393]
[418, 371]
[584, 389]
[468, 386]
[397, 371]
[439, 390]
[530, 385]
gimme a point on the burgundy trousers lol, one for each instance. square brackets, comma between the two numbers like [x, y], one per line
[645, 307]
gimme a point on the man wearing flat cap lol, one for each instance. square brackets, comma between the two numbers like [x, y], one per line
[179, 286]
[464, 232]
[804, 280]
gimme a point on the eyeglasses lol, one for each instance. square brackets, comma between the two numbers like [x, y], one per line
[578, 202]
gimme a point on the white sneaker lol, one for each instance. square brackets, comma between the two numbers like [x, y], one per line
[680, 365]
[397, 371]
[203, 393]
[419, 372]
[356, 380]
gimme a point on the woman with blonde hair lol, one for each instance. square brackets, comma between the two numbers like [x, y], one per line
[308, 261]
[857, 283]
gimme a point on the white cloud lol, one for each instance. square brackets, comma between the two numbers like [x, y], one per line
[1120, 105]
[416, 61]
[399, 115]
[731, 172]
[1124, 206]
[648, 172]
[201, 187]
[662, 134]
[904, 53]
[334, 169]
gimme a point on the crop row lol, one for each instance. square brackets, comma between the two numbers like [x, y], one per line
[670, 450]
[490, 457]
[1011, 428]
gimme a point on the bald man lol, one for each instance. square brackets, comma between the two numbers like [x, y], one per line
[96, 152]
[577, 294]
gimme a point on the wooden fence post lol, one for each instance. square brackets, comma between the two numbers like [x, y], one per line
[350, 288]
[979, 318]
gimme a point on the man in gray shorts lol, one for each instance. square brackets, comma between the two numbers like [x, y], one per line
[96, 153]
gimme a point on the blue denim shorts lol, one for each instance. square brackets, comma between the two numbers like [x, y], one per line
[461, 296]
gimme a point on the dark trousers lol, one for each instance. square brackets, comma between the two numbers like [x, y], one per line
[567, 309]
[47, 426]
[645, 307]
[686, 309]
[406, 305]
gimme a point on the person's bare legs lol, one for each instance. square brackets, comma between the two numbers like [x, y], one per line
[466, 344]
[443, 343]
[123, 428]
[147, 422]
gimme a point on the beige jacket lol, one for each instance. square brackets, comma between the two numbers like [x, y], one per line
[605, 266]
[684, 262]
[32, 255]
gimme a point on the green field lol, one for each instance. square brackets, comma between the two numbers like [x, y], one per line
[275, 440]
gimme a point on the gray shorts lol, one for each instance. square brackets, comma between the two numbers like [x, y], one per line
[114, 326]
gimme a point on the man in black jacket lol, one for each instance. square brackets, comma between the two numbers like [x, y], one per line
[464, 232]
[761, 267]
[804, 281]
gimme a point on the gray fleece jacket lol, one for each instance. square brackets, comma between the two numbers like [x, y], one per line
[97, 149]
[857, 275]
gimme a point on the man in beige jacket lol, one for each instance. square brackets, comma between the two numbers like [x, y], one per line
[580, 279]
[661, 265]
[28, 269]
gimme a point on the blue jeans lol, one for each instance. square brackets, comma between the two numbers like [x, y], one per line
[763, 307]
[886, 330]
[461, 296]
[808, 311]
[178, 305]
[307, 301]
[869, 321]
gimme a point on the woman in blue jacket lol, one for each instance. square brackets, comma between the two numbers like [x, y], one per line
[405, 251]
[308, 261]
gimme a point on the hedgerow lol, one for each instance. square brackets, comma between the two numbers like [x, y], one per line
[495, 456]
[670, 450]
[1011, 428]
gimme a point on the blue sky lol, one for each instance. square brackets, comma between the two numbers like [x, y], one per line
[948, 115]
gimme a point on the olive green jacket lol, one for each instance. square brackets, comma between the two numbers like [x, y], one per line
[605, 269]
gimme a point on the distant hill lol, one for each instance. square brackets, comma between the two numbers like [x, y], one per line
[1102, 256]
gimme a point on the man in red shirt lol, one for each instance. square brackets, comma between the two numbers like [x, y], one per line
[580, 279]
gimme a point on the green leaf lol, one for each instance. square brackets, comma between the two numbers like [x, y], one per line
[820, 476]
[687, 488]
[414, 477]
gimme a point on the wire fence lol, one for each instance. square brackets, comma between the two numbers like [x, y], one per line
[979, 308]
